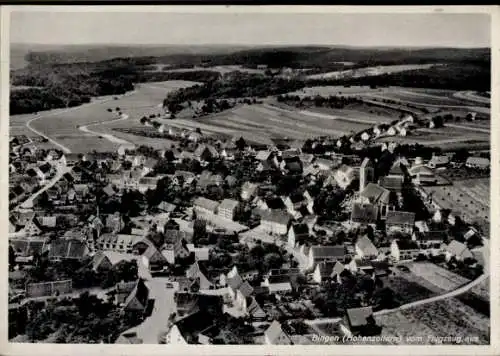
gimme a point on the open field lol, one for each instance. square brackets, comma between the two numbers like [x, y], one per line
[370, 71]
[470, 197]
[446, 318]
[261, 123]
[62, 124]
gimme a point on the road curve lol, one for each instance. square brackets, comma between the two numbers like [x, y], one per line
[52, 113]
[108, 137]
[450, 294]
[54, 142]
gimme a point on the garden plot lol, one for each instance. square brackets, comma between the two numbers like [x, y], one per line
[442, 319]
[438, 276]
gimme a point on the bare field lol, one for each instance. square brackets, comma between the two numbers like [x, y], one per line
[425, 324]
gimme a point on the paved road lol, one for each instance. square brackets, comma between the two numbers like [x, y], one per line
[109, 137]
[164, 305]
[29, 201]
[437, 298]
[56, 112]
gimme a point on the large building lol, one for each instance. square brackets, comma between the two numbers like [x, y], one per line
[227, 208]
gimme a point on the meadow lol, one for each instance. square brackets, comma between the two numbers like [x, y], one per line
[63, 125]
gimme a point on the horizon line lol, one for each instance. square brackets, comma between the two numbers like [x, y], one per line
[250, 45]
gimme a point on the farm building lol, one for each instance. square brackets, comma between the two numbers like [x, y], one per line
[423, 175]
[378, 196]
[438, 161]
[359, 322]
[477, 162]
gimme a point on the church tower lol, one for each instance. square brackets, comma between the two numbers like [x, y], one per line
[366, 173]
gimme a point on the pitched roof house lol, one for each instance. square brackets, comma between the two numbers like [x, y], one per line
[319, 254]
[275, 335]
[365, 248]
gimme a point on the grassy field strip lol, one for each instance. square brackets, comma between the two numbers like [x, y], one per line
[343, 118]
[342, 123]
[428, 98]
[470, 96]
[287, 122]
[273, 116]
[438, 276]
[478, 129]
[169, 85]
[404, 100]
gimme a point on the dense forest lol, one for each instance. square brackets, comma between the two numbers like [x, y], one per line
[463, 76]
[70, 84]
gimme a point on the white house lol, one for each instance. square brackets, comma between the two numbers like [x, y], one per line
[328, 271]
[365, 249]
[404, 250]
[275, 335]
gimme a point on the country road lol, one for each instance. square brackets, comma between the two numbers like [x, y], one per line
[450, 294]
[57, 112]
[109, 137]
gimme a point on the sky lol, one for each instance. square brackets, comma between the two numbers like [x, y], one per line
[161, 28]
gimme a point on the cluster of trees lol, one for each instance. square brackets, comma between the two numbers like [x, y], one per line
[355, 291]
[68, 85]
[332, 101]
[236, 86]
[86, 320]
[81, 272]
